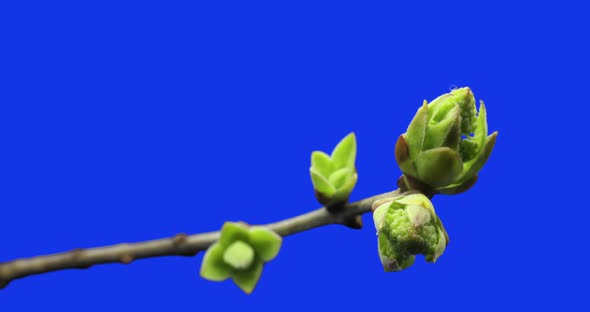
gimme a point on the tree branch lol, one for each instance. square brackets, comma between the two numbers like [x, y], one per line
[179, 245]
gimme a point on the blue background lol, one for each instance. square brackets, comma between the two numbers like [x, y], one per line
[127, 122]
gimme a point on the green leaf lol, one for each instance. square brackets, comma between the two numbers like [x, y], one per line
[376, 204]
[232, 232]
[439, 132]
[418, 215]
[322, 163]
[454, 138]
[417, 199]
[458, 187]
[239, 255]
[402, 156]
[320, 184]
[416, 132]
[248, 279]
[434, 108]
[481, 130]
[340, 177]
[472, 145]
[438, 167]
[344, 154]
[440, 247]
[266, 243]
[468, 148]
[344, 191]
[379, 216]
[473, 166]
[213, 268]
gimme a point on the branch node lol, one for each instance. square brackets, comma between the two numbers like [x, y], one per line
[126, 258]
[179, 238]
[354, 222]
[76, 253]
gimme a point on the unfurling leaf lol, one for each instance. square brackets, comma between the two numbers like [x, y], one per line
[445, 145]
[344, 154]
[334, 177]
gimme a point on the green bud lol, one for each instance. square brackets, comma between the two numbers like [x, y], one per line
[408, 225]
[240, 254]
[446, 144]
[334, 176]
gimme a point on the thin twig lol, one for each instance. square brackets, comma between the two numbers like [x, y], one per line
[179, 245]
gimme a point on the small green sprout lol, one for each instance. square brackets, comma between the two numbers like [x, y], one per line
[240, 254]
[334, 176]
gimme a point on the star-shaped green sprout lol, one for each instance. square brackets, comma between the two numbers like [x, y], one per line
[334, 176]
[240, 254]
